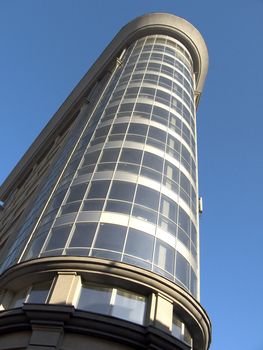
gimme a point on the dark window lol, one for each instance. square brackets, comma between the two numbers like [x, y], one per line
[147, 197]
[70, 208]
[56, 201]
[119, 128]
[126, 108]
[91, 158]
[102, 131]
[139, 244]
[39, 293]
[182, 269]
[143, 107]
[118, 207]
[139, 129]
[98, 189]
[157, 134]
[58, 237]
[122, 190]
[184, 220]
[183, 237]
[110, 155]
[152, 161]
[76, 192]
[92, 205]
[111, 237]
[131, 156]
[83, 235]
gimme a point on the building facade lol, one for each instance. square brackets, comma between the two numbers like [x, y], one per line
[100, 232]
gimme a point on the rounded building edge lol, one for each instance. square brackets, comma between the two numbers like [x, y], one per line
[176, 27]
[113, 273]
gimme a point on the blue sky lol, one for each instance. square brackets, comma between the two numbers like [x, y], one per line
[48, 45]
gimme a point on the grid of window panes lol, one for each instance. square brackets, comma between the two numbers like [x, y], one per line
[133, 196]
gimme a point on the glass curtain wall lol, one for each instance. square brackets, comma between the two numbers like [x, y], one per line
[131, 194]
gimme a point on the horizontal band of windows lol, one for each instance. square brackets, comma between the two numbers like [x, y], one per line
[139, 135]
[167, 49]
[165, 40]
[125, 121]
[181, 198]
[157, 122]
[174, 83]
[91, 210]
[122, 191]
[133, 147]
[119, 240]
[165, 58]
[137, 142]
[82, 240]
[134, 102]
[165, 54]
[168, 65]
[167, 45]
[152, 78]
[160, 79]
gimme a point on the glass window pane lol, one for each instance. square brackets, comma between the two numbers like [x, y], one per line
[56, 201]
[151, 174]
[76, 192]
[122, 190]
[36, 246]
[164, 256]
[129, 307]
[118, 207]
[91, 158]
[119, 128]
[39, 293]
[18, 299]
[177, 327]
[193, 286]
[98, 189]
[182, 269]
[144, 213]
[184, 220]
[139, 129]
[102, 131]
[110, 155]
[70, 208]
[137, 243]
[157, 134]
[92, 205]
[58, 237]
[83, 234]
[182, 236]
[147, 197]
[111, 237]
[167, 225]
[95, 299]
[131, 156]
[168, 208]
[152, 161]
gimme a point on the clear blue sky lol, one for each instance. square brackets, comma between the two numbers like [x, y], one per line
[48, 45]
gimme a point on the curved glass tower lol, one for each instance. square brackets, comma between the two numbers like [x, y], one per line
[123, 188]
